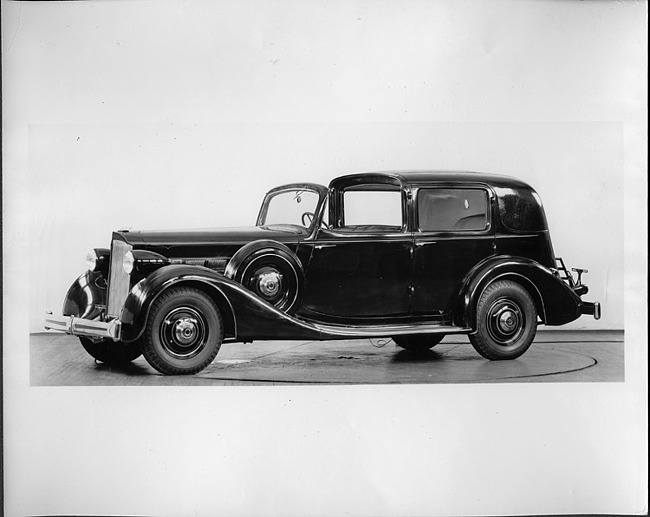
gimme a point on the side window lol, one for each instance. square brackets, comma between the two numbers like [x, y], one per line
[372, 210]
[452, 209]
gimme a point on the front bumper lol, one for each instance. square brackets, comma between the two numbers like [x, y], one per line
[83, 327]
[590, 308]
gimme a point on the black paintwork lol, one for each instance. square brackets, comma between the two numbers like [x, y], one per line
[357, 277]
[180, 242]
[86, 295]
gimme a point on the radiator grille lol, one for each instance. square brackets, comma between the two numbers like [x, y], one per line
[118, 283]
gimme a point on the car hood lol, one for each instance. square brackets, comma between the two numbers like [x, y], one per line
[239, 235]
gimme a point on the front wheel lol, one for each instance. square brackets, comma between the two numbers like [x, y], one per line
[506, 321]
[183, 333]
[111, 352]
[418, 342]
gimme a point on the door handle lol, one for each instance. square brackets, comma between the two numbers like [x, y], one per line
[321, 246]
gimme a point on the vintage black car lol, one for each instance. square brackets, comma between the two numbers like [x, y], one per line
[408, 255]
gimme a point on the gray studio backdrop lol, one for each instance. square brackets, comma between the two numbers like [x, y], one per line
[186, 121]
[87, 180]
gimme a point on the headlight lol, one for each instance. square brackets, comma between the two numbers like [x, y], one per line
[91, 260]
[128, 262]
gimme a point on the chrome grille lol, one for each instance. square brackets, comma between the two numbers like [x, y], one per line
[118, 280]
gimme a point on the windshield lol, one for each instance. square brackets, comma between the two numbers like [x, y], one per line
[295, 206]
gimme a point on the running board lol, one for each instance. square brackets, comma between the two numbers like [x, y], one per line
[402, 329]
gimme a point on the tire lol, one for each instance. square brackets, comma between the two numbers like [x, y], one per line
[273, 274]
[418, 342]
[506, 321]
[111, 352]
[183, 333]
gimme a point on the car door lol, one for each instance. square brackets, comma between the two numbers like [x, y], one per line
[361, 267]
[453, 232]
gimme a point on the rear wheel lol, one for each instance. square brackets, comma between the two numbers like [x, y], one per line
[111, 352]
[418, 342]
[183, 333]
[506, 321]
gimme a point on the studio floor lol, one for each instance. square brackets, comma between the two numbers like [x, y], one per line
[555, 356]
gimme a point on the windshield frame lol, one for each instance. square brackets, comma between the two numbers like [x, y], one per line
[320, 190]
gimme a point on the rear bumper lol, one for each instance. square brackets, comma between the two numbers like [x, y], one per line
[590, 308]
[83, 327]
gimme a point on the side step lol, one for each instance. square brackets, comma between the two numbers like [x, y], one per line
[401, 329]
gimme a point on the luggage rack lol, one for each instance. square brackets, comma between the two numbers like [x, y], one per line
[576, 284]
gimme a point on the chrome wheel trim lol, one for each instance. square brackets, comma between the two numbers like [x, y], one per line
[269, 283]
[278, 265]
[183, 332]
[505, 322]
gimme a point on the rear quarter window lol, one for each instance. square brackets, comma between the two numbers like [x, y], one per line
[521, 209]
[446, 209]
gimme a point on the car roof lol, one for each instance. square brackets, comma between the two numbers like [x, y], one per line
[435, 176]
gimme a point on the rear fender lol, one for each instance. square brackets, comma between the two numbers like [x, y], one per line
[555, 302]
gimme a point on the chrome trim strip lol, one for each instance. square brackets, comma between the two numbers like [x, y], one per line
[336, 238]
[391, 330]
[118, 283]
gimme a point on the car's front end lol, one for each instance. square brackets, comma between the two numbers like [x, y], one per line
[95, 305]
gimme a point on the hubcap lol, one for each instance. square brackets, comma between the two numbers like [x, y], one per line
[273, 278]
[269, 283]
[505, 322]
[183, 332]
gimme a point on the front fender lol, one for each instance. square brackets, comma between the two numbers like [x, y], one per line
[556, 303]
[85, 296]
[246, 316]
[144, 293]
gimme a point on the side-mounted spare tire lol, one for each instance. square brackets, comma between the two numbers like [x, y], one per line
[270, 270]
